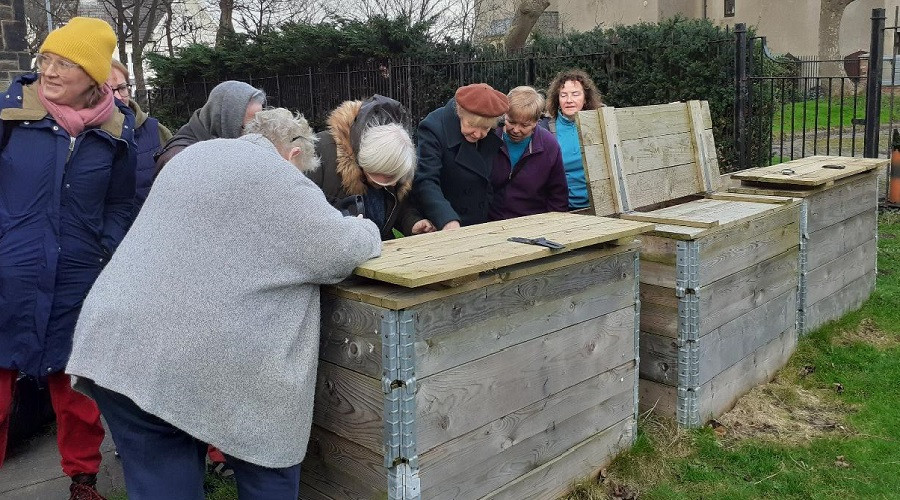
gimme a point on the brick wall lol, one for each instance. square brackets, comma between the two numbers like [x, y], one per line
[14, 56]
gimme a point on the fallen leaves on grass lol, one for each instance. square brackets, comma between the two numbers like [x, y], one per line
[842, 462]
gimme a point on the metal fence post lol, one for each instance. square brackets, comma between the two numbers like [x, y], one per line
[873, 85]
[740, 94]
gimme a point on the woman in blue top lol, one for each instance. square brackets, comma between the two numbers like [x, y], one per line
[570, 92]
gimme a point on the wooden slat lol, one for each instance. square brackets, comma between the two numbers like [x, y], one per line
[831, 277]
[638, 122]
[396, 297]
[849, 298]
[350, 405]
[659, 219]
[662, 399]
[734, 295]
[831, 242]
[342, 469]
[842, 202]
[461, 399]
[615, 162]
[557, 476]
[724, 346]
[503, 450]
[444, 255]
[654, 153]
[720, 394]
[700, 148]
[778, 200]
[742, 245]
[351, 335]
[659, 310]
[518, 322]
[810, 171]
[656, 186]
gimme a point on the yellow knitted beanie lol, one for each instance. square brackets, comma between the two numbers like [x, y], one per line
[85, 41]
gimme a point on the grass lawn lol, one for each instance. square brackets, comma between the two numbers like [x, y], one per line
[828, 426]
[830, 114]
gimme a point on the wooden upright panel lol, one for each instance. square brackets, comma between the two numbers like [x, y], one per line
[640, 156]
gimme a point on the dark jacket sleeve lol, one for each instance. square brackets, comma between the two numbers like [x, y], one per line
[409, 215]
[118, 211]
[166, 155]
[326, 175]
[557, 187]
[427, 183]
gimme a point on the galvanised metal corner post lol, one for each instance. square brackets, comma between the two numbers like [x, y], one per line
[873, 85]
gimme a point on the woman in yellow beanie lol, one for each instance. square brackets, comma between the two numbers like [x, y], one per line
[67, 188]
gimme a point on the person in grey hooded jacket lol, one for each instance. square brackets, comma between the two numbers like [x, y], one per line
[230, 105]
[204, 326]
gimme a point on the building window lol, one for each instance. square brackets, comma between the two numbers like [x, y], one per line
[729, 8]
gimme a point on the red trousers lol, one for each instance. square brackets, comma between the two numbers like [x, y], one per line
[78, 428]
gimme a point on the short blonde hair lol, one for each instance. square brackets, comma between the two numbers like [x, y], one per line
[525, 101]
[116, 64]
[477, 120]
[286, 130]
[388, 150]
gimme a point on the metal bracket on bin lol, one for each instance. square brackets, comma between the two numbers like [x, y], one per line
[399, 386]
[687, 284]
[403, 482]
[804, 267]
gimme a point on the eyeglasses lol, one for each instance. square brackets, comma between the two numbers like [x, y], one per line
[123, 90]
[44, 62]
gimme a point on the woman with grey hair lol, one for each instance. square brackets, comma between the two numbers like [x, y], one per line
[224, 261]
[368, 163]
[230, 105]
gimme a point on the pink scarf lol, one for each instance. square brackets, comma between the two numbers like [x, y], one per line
[75, 121]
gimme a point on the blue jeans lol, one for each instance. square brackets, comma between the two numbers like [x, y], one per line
[162, 461]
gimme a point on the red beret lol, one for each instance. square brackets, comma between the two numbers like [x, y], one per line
[482, 100]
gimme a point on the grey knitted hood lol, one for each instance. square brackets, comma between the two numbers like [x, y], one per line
[223, 114]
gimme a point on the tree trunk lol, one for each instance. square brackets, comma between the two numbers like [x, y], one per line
[226, 10]
[169, 46]
[830, 15]
[140, 85]
[121, 30]
[527, 14]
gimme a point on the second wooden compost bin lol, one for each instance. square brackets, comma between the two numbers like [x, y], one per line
[839, 225]
[719, 274]
[467, 366]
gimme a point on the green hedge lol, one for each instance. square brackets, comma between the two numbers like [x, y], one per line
[318, 66]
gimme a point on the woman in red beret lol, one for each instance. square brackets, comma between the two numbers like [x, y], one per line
[452, 185]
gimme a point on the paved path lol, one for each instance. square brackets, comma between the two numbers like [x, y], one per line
[32, 471]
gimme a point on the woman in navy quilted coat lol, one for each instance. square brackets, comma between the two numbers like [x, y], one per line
[67, 189]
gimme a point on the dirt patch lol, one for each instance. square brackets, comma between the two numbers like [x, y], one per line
[866, 333]
[784, 412]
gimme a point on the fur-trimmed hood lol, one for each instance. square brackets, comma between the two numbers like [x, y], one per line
[346, 123]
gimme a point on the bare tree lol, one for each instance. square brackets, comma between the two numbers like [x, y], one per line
[830, 15]
[451, 18]
[36, 19]
[527, 14]
[256, 17]
[135, 22]
[226, 25]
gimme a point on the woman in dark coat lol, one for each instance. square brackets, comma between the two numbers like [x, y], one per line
[452, 186]
[369, 159]
[67, 190]
[528, 175]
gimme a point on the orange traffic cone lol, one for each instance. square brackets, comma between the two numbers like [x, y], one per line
[894, 181]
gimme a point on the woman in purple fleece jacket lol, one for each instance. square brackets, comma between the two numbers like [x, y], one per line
[528, 175]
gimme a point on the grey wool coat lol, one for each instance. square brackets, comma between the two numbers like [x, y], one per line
[207, 316]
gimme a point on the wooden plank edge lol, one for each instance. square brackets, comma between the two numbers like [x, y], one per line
[639, 217]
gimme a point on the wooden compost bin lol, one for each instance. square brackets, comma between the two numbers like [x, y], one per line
[467, 366]
[719, 274]
[839, 225]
